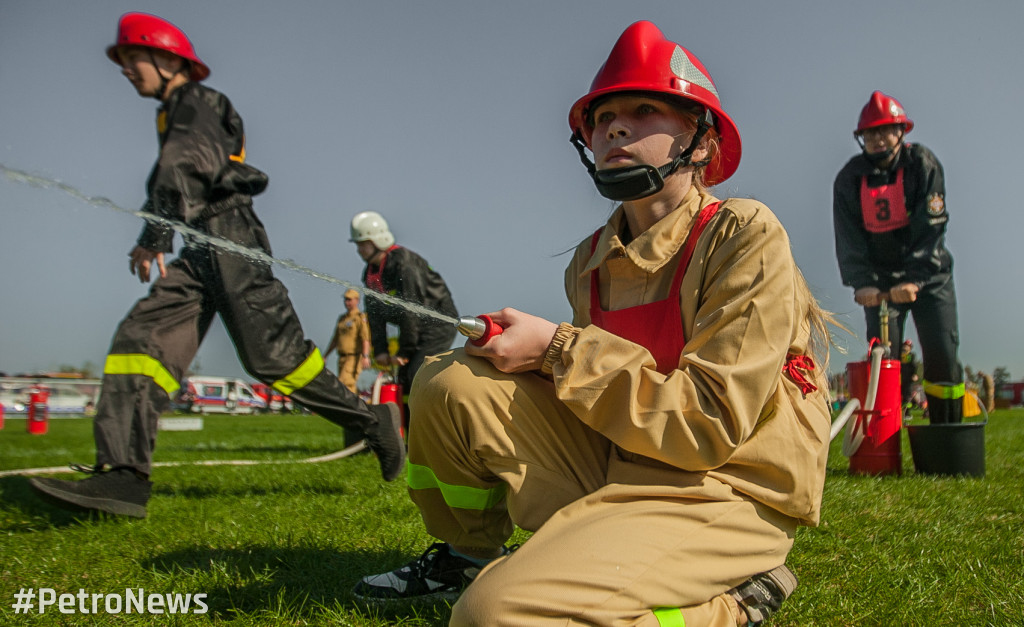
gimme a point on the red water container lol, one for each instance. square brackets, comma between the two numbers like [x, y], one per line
[38, 422]
[879, 452]
[392, 393]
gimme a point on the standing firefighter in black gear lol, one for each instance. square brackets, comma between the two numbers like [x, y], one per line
[397, 271]
[890, 223]
[201, 179]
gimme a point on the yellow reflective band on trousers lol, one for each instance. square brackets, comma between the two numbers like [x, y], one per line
[938, 390]
[669, 617]
[301, 376]
[143, 365]
[462, 497]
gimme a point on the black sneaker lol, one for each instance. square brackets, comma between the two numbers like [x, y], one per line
[385, 439]
[437, 574]
[762, 595]
[118, 491]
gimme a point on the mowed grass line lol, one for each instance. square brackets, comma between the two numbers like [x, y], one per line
[283, 544]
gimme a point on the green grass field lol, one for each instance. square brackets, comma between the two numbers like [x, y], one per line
[283, 543]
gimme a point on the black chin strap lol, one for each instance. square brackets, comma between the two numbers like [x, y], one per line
[639, 181]
[159, 95]
[878, 158]
[186, 67]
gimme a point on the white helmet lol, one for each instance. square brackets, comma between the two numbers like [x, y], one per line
[370, 225]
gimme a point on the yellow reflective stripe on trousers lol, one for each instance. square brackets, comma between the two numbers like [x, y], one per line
[669, 617]
[940, 390]
[463, 497]
[143, 365]
[301, 376]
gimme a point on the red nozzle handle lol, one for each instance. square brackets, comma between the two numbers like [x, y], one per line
[491, 328]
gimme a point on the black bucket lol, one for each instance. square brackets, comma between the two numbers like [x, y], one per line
[948, 449]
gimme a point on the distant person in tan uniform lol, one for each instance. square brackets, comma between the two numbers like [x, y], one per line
[352, 341]
[665, 445]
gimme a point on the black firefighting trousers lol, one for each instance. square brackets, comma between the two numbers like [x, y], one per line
[935, 317]
[157, 341]
[436, 339]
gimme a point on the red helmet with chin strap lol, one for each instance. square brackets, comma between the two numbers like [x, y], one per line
[643, 60]
[150, 31]
[882, 110]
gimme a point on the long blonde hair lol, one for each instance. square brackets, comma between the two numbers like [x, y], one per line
[821, 340]
[818, 319]
[711, 139]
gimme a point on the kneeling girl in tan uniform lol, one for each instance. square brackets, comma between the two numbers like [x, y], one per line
[666, 444]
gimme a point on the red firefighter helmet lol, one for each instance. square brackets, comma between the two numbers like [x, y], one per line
[150, 31]
[643, 60]
[880, 111]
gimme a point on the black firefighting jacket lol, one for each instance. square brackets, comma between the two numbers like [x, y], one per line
[200, 171]
[915, 253]
[408, 276]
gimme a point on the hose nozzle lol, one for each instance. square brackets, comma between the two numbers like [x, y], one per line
[478, 329]
[883, 324]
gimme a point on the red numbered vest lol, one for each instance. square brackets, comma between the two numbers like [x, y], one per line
[884, 208]
[374, 276]
[656, 326]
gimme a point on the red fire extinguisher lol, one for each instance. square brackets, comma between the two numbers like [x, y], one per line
[872, 440]
[386, 389]
[879, 450]
[38, 411]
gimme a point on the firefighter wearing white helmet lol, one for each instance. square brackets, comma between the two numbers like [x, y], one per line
[663, 446]
[371, 226]
[397, 271]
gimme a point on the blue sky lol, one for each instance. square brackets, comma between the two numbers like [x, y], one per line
[450, 119]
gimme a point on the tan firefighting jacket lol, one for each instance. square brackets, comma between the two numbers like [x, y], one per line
[727, 419]
[350, 333]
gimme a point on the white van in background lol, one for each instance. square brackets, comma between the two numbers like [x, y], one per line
[218, 395]
[66, 397]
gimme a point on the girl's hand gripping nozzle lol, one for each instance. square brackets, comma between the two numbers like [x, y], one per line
[478, 329]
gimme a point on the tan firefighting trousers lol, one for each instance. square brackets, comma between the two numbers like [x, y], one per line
[617, 542]
[349, 369]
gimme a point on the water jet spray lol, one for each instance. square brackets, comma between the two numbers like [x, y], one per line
[479, 330]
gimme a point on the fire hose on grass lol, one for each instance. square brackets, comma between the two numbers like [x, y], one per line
[343, 453]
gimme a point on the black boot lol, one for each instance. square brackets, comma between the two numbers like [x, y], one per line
[385, 439]
[118, 491]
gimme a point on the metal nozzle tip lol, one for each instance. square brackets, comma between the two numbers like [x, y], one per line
[471, 327]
